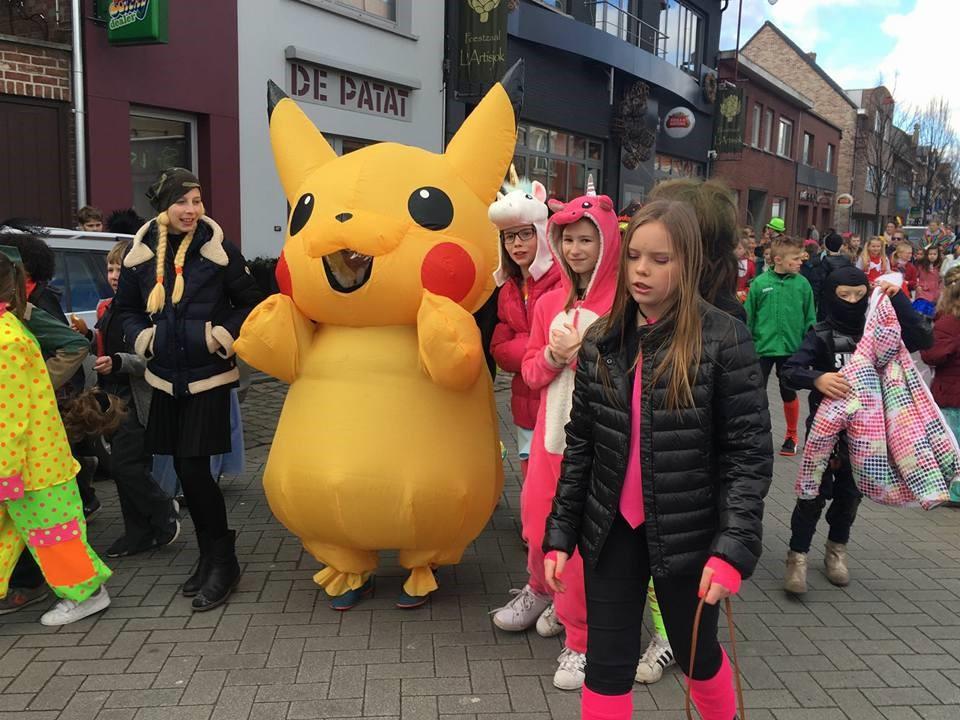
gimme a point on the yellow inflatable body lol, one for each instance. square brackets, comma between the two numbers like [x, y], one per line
[388, 436]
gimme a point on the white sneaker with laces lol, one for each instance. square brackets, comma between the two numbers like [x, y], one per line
[657, 658]
[522, 611]
[570, 674]
[68, 611]
[548, 625]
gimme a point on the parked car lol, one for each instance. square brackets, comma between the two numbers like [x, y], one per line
[914, 233]
[81, 269]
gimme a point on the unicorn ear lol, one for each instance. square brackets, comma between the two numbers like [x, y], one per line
[555, 205]
[539, 191]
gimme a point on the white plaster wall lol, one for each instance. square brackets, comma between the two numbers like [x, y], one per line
[266, 28]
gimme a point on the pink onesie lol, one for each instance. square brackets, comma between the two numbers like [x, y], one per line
[556, 396]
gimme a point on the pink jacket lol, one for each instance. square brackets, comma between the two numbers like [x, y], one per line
[929, 283]
[556, 383]
[510, 338]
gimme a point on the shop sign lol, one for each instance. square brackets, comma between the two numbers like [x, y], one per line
[728, 133]
[482, 39]
[679, 123]
[844, 200]
[344, 91]
[135, 22]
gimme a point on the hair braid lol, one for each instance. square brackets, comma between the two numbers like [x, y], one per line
[157, 296]
[178, 260]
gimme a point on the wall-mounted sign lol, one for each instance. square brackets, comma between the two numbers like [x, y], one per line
[844, 200]
[344, 91]
[679, 123]
[135, 22]
[482, 37]
[728, 128]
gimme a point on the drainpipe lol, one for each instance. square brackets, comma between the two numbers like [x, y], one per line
[79, 102]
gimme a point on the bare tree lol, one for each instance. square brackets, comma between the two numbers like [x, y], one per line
[948, 188]
[888, 150]
[936, 141]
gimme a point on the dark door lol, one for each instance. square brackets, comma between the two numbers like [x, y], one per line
[34, 161]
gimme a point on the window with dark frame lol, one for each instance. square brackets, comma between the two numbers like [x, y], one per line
[755, 137]
[558, 159]
[807, 149]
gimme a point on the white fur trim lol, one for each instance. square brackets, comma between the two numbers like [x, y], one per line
[139, 252]
[224, 340]
[560, 391]
[194, 388]
[212, 344]
[212, 249]
[143, 345]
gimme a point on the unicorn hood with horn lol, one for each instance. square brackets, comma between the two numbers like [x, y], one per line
[522, 203]
[599, 210]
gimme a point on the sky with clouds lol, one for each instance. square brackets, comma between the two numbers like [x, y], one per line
[909, 45]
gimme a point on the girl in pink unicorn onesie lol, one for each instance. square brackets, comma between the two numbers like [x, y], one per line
[585, 238]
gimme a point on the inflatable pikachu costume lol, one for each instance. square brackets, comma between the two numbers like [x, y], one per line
[388, 436]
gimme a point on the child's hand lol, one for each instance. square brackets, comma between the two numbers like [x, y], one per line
[553, 570]
[103, 365]
[833, 385]
[889, 289]
[564, 344]
[77, 324]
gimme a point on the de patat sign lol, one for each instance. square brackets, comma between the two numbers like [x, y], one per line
[135, 22]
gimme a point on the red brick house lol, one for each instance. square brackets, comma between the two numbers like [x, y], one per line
[787, 165]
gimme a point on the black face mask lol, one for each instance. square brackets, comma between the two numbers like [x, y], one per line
[846, 317]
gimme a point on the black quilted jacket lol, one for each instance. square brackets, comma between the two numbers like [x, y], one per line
[705, 469]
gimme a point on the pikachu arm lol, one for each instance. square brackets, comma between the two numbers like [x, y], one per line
[451, 352]
[275, 337]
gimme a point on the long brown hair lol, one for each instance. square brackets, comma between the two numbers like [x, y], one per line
[92, 413]
[949, 302]
[12, 286]
[716, 214]
[684, 341]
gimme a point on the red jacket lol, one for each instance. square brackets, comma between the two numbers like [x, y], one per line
[510, 337]
[944, 356]
[910, 277]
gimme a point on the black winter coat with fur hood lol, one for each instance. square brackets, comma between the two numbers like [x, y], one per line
[705, 469]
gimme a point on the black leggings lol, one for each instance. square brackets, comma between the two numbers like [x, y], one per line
[204, 499]
[767, 364]
[616, 592]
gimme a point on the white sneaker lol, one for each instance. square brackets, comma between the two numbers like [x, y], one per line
[547, 624]
[522, 611]
[657, 658]
[68, 611]
[570, 674]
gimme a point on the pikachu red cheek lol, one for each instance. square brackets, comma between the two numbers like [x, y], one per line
[282, 273]
[448, 270]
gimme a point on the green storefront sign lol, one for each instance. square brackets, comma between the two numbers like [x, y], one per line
[135, 22]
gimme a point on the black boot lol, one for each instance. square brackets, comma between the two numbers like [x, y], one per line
[193, 584]
[222, 575]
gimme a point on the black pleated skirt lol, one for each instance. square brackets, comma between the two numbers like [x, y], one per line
[192, 426]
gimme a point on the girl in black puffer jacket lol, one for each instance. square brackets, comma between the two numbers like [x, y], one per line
[668, 459]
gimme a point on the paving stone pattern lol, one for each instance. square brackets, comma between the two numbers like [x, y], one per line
[888, 646]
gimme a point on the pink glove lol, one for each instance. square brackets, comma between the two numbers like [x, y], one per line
[725, 574]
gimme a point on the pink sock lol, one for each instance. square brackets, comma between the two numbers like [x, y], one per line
[594, 706]
[715, 698]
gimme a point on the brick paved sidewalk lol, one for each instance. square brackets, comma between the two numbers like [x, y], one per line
[888, 646]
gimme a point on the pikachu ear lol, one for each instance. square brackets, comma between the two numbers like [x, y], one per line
[298, 147]
[483, 146]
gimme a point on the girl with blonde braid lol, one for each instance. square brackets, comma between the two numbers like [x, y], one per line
[182, 297]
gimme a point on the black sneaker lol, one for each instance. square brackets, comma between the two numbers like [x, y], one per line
[119, 548]
[92, 508]
[789, 447]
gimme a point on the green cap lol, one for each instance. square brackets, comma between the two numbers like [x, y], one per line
[777, 225]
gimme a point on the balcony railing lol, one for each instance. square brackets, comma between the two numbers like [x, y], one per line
[613, 19]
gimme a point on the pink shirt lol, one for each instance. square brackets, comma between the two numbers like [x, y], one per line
[631, 497]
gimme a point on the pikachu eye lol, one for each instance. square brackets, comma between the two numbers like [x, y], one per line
[430, 208]
[301, 213]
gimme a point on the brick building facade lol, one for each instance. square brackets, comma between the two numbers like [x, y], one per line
[787, 165]
[37, 150]
[772, 50]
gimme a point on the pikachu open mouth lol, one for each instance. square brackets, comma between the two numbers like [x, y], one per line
[347, 270]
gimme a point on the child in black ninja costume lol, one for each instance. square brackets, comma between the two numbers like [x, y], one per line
[824, 351]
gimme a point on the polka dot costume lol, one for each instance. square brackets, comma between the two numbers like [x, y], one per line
[40, 506]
